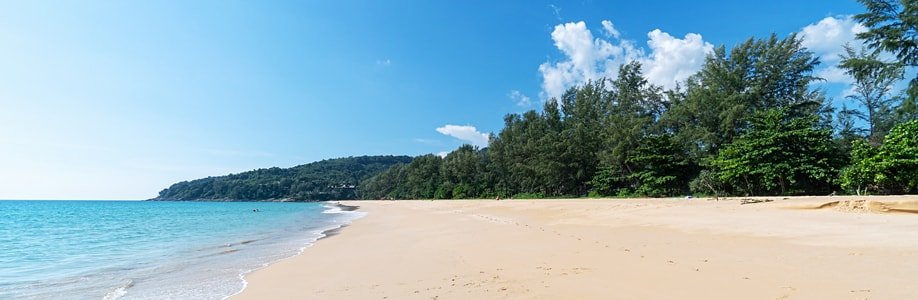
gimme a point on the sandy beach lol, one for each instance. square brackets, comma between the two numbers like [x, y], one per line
[787, 248]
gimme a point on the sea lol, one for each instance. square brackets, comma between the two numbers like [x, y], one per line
[151, 250]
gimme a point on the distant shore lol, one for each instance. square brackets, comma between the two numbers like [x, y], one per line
[762, 248]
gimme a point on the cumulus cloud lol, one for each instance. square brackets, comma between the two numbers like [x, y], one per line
[671, 60]
[384, 62]
[468, 134]
[521, 99]
[828, 36]
[826, 39]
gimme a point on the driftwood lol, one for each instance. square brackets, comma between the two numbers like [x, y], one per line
[754, 201]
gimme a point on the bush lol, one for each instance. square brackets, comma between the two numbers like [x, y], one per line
[891, 168]
[779, 155]
[462, 191]
[529, 196]
[707, 184]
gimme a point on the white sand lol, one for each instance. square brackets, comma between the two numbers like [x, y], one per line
[609, 249]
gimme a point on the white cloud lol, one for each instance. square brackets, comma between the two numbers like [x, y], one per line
[833, 74]
[671, 60]
[521, 99]
[610, 29]
[442, 154]
[384, 62]
[827, 37]
[466, 133]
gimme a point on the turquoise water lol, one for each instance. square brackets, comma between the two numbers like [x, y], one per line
[149, 250]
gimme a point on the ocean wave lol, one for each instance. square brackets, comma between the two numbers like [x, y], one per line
[120, 291]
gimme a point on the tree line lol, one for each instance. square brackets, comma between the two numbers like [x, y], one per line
[331, 179]
[750, 122]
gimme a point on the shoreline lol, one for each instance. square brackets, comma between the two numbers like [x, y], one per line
[613, 248]
[321, 234]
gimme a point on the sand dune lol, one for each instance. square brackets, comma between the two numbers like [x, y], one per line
[610, 249]
[865, 205]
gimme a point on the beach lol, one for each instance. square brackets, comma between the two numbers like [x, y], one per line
[768, 248]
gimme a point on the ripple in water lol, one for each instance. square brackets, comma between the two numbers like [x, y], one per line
[150, 250]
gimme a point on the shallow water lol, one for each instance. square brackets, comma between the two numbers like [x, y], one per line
[143, 250]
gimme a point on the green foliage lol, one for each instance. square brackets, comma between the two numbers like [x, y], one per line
[458, 175]
[892, 26]
[660, 168]
[873, 81]
[757, 75]
[747, 123]
[529, 196]
[324, 180]
[908, 109]
[899, 165]
[462, 191]
[779, 155]
[420, 179]
[707, 183]
[859, 177]
[657, 167]
[891, 168]
[607, 182]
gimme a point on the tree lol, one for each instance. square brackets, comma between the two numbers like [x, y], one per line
[330, 179]
[780, 154]
[891, 168]
[848, 131]
[422, 177]
[892, 26]
[632, 110]
[462, 174]
[582, 111]
[873, 82]
[629, 163]
[658, 167]
[754, 76]
[384, 185]
[860, 175]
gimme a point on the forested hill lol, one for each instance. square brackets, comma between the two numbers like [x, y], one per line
[332, 179]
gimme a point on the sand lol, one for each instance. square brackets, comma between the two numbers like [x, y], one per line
[797, 248]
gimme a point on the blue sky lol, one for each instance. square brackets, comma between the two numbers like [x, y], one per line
[119, 99]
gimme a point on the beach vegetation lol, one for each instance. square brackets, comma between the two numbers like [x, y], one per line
[750, 122]
[892, 26]
[330, 179]
[779, 155]
[891, 168]
[873, 84]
